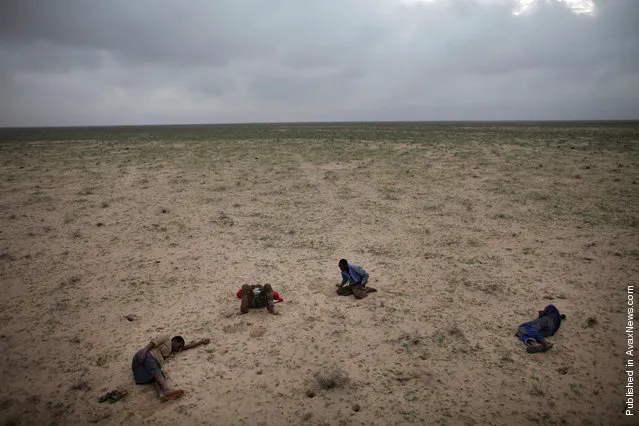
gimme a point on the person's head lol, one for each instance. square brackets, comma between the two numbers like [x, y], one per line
[343, 264]
[177, 343]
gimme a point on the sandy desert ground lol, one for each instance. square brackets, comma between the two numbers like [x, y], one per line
[466, 230]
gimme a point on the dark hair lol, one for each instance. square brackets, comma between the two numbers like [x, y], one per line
[343, 262]
[178, 339]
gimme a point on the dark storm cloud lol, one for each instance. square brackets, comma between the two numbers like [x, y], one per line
[140, 31]
[68, 62]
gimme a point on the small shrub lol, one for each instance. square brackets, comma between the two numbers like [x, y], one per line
[332, 378]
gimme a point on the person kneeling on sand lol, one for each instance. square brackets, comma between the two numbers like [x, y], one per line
[147, 363]
[356, 277]
[534, 333]
[258, 296]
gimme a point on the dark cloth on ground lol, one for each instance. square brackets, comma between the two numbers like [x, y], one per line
[259, 296]
[144, 371]
[360, 291]
[276, 295]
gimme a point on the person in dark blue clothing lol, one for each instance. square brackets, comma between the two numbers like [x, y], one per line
[354, 280]
[533, 333]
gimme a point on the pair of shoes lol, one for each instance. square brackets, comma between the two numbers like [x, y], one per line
[113, 396]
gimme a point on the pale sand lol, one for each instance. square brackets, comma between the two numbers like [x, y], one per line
[466, 233]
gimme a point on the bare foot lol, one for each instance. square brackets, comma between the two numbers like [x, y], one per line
[542, 347]
[173, 395]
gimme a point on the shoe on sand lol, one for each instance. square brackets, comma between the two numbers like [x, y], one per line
[105, 397]
[113, 396]
[117, 395]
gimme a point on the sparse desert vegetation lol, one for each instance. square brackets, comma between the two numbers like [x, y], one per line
[467, 230]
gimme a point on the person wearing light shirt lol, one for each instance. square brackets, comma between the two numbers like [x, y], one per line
[147, 363]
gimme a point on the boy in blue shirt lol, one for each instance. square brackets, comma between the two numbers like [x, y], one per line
[356, 277]
[533, 333]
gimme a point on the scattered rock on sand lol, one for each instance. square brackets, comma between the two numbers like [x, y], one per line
[81, 385]
[310, 393]
[131, 317]
[101, 361]
[257, 332]
[356, 407]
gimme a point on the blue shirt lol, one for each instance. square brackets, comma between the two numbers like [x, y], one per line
[355, 275]
[555, 320]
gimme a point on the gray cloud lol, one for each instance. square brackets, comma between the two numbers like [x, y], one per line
[76, 62]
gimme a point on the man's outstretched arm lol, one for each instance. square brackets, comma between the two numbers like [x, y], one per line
[196, 344]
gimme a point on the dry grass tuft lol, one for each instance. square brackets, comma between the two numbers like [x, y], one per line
[331, 378]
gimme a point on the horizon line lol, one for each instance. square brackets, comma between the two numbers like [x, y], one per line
[270, 123]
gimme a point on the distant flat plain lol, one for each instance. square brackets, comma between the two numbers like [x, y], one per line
[466, 229]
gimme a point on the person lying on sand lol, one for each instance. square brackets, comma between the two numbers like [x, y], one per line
[258, 296]
[356, 277]
[533, 333]
[147, 363]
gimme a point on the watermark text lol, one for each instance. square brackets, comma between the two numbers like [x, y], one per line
[630, 363]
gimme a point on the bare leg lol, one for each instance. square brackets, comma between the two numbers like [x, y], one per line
[163, 389]
[246, 293]
[270, 305]
[158, 389]
[160, 384]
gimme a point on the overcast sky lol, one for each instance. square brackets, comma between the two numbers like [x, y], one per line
[90, 62]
